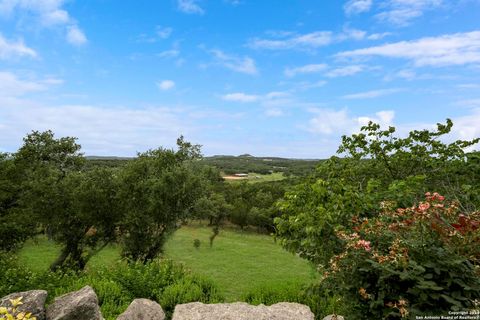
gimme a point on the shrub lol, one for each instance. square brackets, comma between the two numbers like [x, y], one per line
[196, 243]
[188, 289]
[321, 302]
[419, 260]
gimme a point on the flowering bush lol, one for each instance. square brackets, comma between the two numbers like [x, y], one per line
[420, 260]
[12, 313]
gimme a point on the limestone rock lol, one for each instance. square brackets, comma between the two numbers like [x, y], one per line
[33, 301]
[77, 305]
[143, 309]
[242, 311]
[334, 317]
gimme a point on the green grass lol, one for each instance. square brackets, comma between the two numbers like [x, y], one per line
[255, 177]
[37, 254]
[238, 262]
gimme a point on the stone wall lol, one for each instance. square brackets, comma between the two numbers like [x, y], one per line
[83, 305]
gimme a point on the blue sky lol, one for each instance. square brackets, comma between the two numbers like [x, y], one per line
[280, 78]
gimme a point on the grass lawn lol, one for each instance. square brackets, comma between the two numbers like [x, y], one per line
[238, 262]
[39, 253]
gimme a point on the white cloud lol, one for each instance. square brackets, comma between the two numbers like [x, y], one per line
[309, 68]
[401, 12]
[351, 34]
[445, 50]
[166, 85]
[46, 13]
[328, 121]
[304, 85]
[378, 36]
[288, 40]
[101, 130]
[11, 86]
[298, 41]
[345, 71]
[164, 32]
[271, 101]
[190, 7]
[14, 49]
[240, 97]
[76, 36]
[357, 6]
[372, 94]
[169, 53]
[274, 112]
[383, 118]
[339, 122]
[235, 63]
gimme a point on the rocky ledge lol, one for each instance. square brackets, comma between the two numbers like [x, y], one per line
[83, 305]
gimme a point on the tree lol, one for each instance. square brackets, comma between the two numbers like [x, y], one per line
[158, 189]
[76, 208]
[378, 167]
[15, 228]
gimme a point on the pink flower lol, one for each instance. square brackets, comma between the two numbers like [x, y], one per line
[363, 244]
[423, 206]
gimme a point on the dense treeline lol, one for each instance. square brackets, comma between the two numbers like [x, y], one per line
[262, 165]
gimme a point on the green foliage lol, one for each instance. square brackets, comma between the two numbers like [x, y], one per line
[320, 303]
[261, 165]
[163, 281]
[419, 260]
[158, 189]
[188, 289]
[310, 214]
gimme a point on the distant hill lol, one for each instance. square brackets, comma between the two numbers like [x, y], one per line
[245, 163]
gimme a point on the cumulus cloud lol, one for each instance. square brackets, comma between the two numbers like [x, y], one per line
[401, 12]
[357, 6]
[14, 49]
[372, 94]
[444, 50]
[235, 63]
[166, 85]
[339, 122]
[101, 130]
[75, 36]
[190, 7]
[309, 68]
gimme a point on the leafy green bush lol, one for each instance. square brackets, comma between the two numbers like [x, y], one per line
[321, 302]
[161, 280]
[188, 289]
[420, 260]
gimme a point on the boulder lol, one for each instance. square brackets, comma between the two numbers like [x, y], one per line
[33, 301]
[242, 311]
[143, 309]
[334, 317]
[77, 305]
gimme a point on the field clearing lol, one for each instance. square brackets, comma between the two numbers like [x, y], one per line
[238, 262]
[256, 177]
